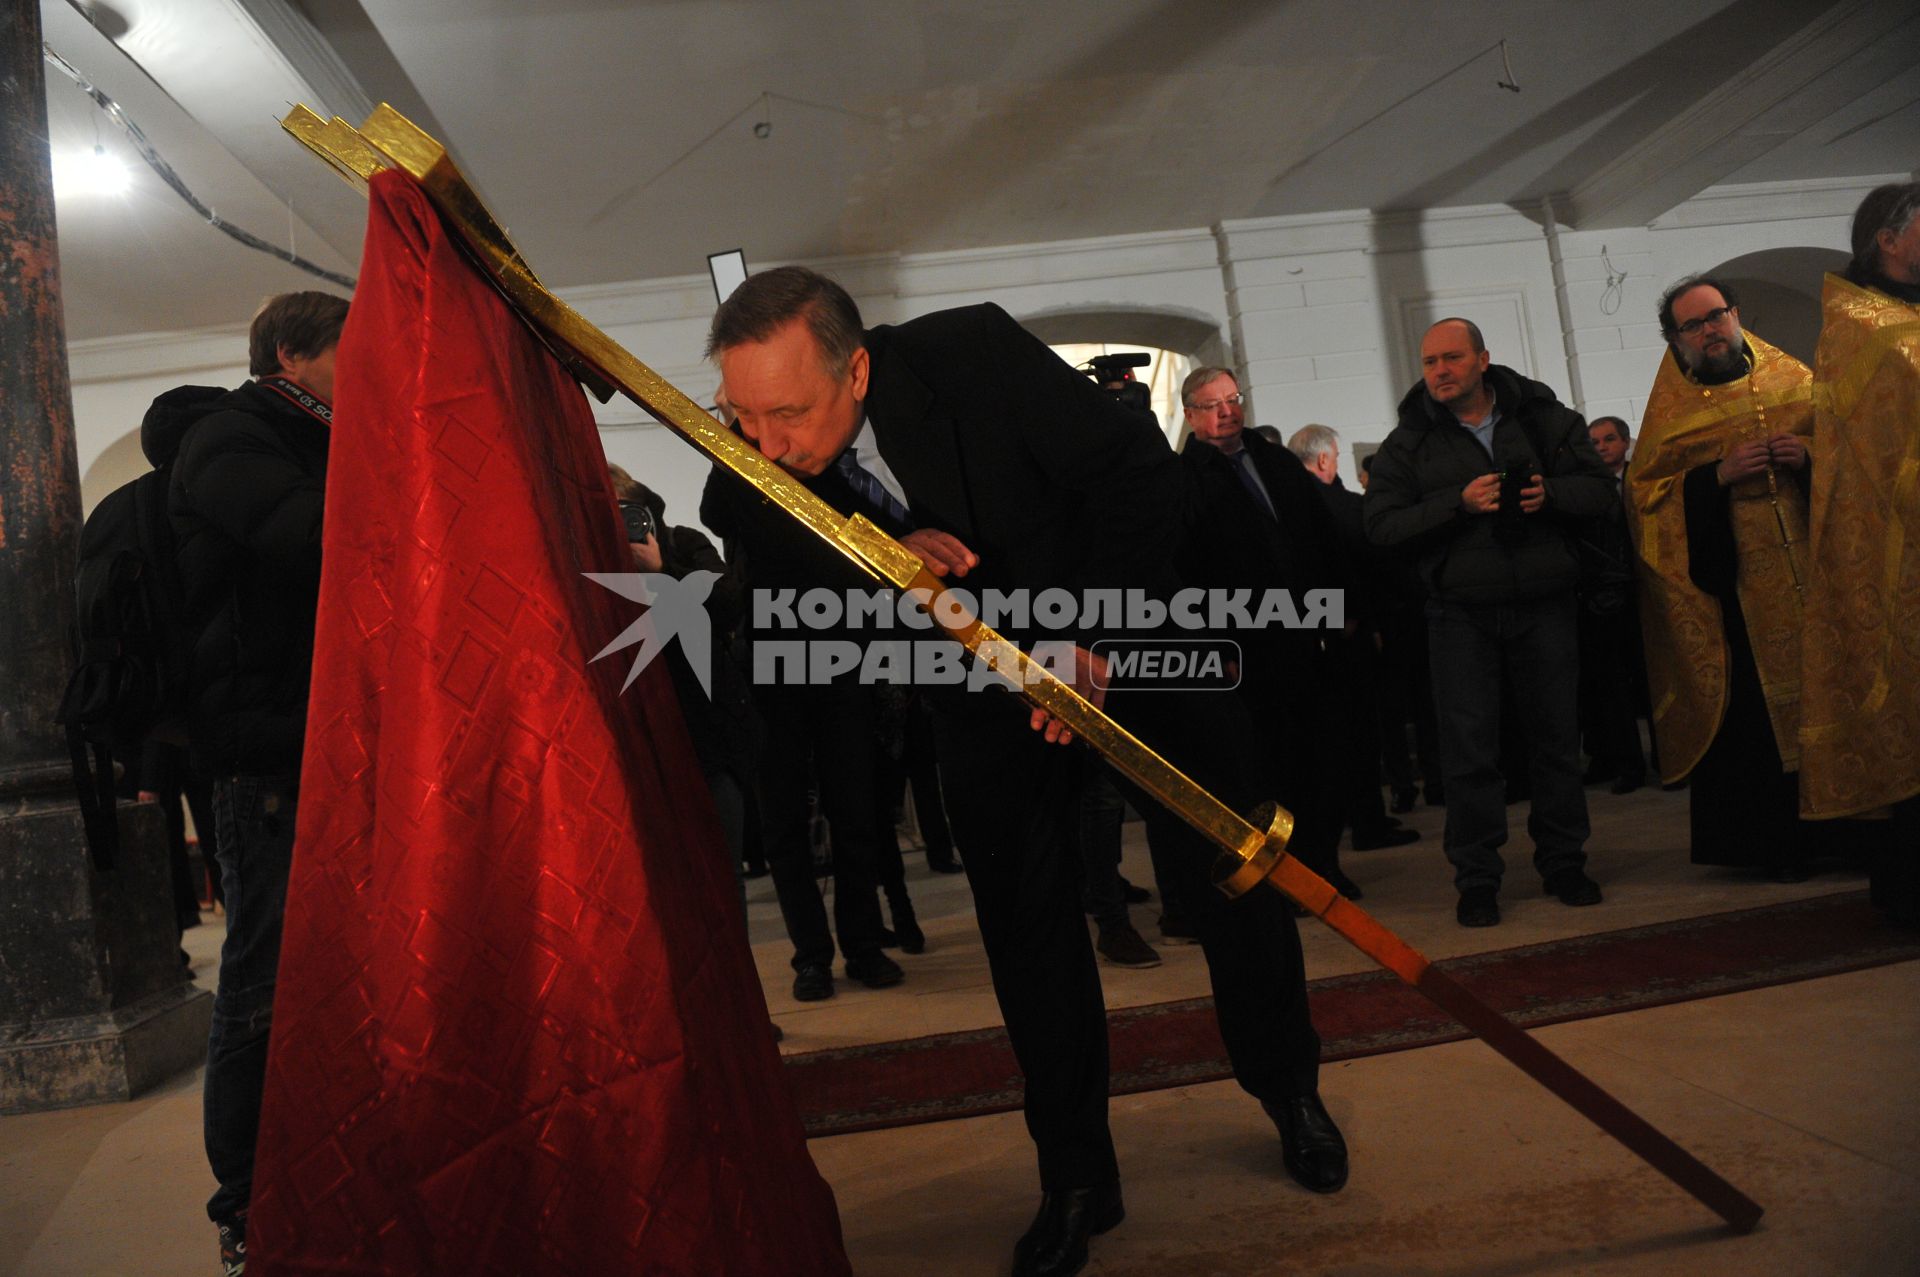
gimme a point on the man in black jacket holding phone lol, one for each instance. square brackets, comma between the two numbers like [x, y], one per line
[1483, 480]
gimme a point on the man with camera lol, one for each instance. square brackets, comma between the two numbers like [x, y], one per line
[1484, 481]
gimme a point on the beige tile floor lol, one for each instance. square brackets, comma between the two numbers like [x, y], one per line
[1805, 1095]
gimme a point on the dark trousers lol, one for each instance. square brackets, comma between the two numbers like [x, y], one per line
[1534, 644]
[1097, 831]
[1609, 691]
[1406, 695]
[1353, 697]
[920, 757]
[255, 818]
[1014, 803]
[821, 736]
[1307, 745]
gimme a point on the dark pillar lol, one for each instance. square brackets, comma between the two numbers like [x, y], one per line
[94, 1004]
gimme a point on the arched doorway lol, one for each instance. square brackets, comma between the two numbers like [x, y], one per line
[1779, 291]
[1177, 343]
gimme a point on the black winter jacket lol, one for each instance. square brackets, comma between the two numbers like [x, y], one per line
[1413, 499]
[246, 500]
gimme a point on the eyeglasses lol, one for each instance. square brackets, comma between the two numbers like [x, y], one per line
[1709, 320]
[1214, 405]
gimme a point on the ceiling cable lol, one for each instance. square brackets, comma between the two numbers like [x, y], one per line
[159, 165]
[1393, 106]
[1615, 291]
[762, 130]
[1506, 61]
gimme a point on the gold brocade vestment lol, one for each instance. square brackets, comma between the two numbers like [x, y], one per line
[1688, 424]
[1860, 742]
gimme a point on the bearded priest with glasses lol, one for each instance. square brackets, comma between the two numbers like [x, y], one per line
[1717, 507]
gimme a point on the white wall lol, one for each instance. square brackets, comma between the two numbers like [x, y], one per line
[1322, 313]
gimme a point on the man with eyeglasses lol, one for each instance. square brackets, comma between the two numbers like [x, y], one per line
[1860, 739]
[1016, 473]
[1261, 524]
[1484, 481]
[1717, 501]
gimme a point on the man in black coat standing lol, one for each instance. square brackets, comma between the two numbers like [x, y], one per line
[246, 498]
[1484, 481]
[1021, 475]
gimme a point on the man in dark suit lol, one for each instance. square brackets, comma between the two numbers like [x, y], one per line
[1019, 474]
[818, 738]
[1259, 525]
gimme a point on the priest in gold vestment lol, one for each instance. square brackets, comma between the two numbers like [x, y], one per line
[1860, 736]
[1717, 506]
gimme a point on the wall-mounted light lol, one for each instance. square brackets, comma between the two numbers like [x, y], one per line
[80, 174]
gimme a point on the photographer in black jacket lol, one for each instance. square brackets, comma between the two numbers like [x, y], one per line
[248, 490]
[1483, 480]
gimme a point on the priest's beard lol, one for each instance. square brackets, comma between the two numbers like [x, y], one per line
[1715, 367]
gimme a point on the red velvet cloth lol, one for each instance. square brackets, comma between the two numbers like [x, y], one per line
[517, 1029]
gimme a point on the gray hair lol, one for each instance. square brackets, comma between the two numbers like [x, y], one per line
[1309, 442]
[1200, 377]
[768, 300]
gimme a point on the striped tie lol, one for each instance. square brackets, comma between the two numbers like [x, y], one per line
[867, 486]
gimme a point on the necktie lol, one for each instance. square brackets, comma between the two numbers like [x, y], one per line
[1243, 466]
[867, 486]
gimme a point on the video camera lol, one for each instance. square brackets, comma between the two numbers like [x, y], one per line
[1114, 374]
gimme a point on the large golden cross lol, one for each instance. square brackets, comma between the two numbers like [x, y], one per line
[1252, 851]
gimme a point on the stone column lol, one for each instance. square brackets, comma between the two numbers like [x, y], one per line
[94, 1003]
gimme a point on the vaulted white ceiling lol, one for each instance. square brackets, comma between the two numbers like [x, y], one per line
[627, 141]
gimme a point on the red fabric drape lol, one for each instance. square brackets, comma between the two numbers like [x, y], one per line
[517, 1029]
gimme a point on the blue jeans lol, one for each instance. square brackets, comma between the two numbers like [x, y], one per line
[1532, 648]
[255, 818]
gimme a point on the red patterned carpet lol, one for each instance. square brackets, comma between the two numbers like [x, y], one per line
[951, 1075]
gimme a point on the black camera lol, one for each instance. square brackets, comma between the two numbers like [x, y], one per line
[639, 520]
[1512, 480]
[1114, 374]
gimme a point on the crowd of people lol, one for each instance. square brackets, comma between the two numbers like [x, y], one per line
[1518, 591]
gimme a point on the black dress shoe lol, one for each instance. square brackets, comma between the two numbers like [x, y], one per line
[943, 865]
[1055, 1245]
[1478, 907]
[906, 929]
[1345, 885]
[875, 970]
[1376, 837]
[1627, 784]
[813, 983]
[1572, 887]
[1315, 1154]
[1134, 895]
[1403, 800]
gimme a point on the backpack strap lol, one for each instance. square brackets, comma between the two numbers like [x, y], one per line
[99, 813]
